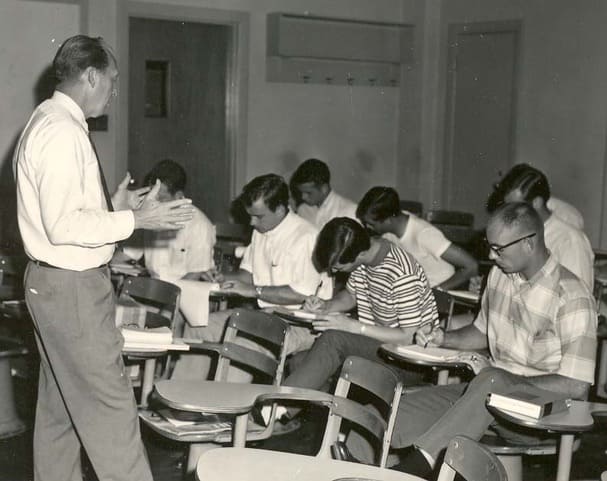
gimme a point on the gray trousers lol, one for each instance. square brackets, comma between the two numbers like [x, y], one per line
[84, 398]
[429, 417]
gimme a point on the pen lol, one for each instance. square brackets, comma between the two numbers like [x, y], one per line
[315, 293]
[317, 289]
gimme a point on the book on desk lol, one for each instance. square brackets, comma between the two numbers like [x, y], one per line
[154, 339]
[535, 404]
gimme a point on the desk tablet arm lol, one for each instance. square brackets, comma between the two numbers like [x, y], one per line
[236, 353]
[285, 393]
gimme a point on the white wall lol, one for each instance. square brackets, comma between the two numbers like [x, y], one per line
[561, 119]
[354, 129]
[30, 33]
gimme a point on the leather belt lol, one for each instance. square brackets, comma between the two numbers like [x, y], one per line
[50, 266]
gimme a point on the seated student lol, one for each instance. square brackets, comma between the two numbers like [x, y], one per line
[386, 285]
[568, 245]
[185, 253]
[538, 321]
[524, 174]
[446, 265]
[311, 183]
[276, 269]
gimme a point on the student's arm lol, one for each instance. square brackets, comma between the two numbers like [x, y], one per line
[468, 338]
[465, 267]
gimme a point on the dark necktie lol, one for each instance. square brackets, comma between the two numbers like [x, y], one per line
[106, 192]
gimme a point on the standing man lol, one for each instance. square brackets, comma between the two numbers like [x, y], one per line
[311, 183]
[69, 225]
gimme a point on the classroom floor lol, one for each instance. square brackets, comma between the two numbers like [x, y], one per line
[166, 456]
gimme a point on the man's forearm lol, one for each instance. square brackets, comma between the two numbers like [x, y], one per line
[281, 295]
[466, 338]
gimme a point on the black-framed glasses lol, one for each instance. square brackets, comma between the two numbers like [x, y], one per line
[497, 249]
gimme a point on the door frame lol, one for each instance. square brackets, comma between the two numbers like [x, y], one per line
[454, 30]
[236, 76]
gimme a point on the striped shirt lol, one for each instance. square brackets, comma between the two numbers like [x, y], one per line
[394, 293]
[546, 325]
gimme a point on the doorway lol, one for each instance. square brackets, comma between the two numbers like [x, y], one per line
[178, 78]
[480, 114]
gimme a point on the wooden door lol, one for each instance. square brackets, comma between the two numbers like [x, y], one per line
[480, 113]
[177, 105]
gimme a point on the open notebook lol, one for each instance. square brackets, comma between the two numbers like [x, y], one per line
[298, 316]
[439, 354]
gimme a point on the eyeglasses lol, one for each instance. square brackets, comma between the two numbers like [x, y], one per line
[497, 249]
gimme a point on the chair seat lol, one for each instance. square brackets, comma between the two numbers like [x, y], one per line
[502, 447]
[216, 432]
[243, 464]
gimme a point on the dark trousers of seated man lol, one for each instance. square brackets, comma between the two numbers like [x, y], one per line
[329, 352]
[429, 417]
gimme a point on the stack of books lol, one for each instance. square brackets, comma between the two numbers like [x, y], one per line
[156, 339]
[534, 403]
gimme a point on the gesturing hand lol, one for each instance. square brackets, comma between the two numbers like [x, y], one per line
[156, 215]
[125, 199]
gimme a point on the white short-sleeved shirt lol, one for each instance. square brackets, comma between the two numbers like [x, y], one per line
[169, 255]
[283, 257]
[333, 206]
[427, 244]
[566, 212]
[571, 248]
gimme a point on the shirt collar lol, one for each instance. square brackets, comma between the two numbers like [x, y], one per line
[72, 107]
[328, 200]
[544, 273]
[283, 226]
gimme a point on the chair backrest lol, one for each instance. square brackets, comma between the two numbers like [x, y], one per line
[378, 420]
[12, 269]
[444, 306]
[256, 341]
[161, 298]
[457, 226]
[471, 461]
[412, 206]
[450, 217]
[230, 236]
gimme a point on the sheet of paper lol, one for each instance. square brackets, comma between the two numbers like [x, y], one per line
[194, 300]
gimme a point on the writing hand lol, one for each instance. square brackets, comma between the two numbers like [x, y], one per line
[212, 275]
[314, 304]
[426, 336]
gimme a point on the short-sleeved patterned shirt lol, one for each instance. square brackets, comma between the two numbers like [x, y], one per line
[394, 293]
[546, 325]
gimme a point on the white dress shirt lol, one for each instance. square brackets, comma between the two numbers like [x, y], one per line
[566, 212]
[169, 255]
[571, 248]
[62, 212]
[427, 244]
[283, 257]
[333, 206]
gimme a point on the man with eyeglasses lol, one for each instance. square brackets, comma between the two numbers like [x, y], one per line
[538, 321]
